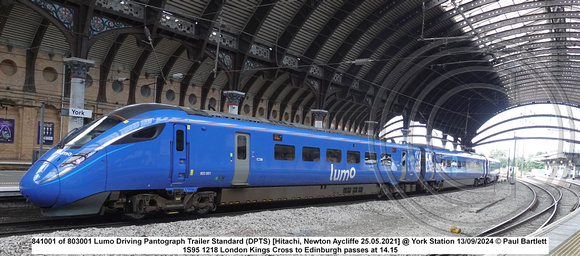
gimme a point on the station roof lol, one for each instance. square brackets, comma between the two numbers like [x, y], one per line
[452, 64]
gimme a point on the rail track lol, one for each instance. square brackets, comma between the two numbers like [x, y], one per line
[548, 204]
[23, 223]
[573, 201]
[38, 224]
[530, 219]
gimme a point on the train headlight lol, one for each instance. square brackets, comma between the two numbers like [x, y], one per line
[77, 159]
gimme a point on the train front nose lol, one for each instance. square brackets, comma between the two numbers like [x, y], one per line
[40, 184]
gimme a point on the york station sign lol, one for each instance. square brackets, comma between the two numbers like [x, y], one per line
[77, 112]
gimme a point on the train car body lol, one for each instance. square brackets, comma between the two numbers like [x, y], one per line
[147, 158]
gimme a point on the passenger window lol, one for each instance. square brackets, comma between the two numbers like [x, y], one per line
[386, 159]
[284, 152]
[464, 166]
[310, 154]
[242, 147]
[333, 155]
[180, 140]
[352, 157]
[448, 162]
[459, 164]
[370, 158]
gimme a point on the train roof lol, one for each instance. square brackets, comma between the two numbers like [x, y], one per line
[136, 109]
[132, 110]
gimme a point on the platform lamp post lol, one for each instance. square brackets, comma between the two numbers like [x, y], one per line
[513, 172]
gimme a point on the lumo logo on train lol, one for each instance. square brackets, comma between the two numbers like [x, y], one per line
[341, 175]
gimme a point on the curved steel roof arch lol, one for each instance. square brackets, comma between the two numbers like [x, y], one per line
[534, 53]
[388, 84]
[449, 94]
[427, 89]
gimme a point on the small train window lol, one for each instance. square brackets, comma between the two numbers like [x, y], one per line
[464, 166]
[448, 162]
[353, 157]
[310, 154]
[180, 140]
[459, 164]
[370, 158]
[386, 159]
[284, 152]
[333, 155]
[242, 147]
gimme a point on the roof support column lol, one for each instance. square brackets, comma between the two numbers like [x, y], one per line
[455, 144]
[319, 115]
[371, 128]
[234, 99]
[405, 135]
[444, 140]
[428, 138]
[79, 69]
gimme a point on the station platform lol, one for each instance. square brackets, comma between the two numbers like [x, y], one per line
[9, 180]
[20, 165]
[564, 235]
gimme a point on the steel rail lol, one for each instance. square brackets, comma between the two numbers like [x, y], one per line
[555, 205]
[534, 201]
[575, 206]
[505, 228]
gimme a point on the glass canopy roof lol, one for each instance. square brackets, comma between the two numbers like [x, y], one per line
[533, 45]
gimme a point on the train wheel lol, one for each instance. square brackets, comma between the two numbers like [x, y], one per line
[202, 211]
[134, 216]
[438, 185]
[134, 209]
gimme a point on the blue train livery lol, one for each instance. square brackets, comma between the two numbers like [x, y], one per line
[148, 158]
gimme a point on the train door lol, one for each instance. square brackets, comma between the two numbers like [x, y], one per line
[242, 159]
[430, 165]
[179, 148]
[403, 164]
[423, 166]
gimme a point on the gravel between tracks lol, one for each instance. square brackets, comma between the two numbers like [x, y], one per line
[418, 216]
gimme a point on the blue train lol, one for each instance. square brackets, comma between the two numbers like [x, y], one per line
[148, 158]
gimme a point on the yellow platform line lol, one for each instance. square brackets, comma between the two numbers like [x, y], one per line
[8, 183]
[569, 247]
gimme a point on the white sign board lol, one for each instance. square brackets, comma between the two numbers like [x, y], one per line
[80, 112]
